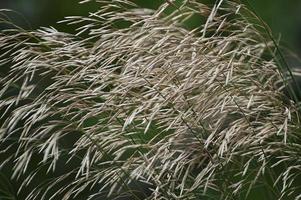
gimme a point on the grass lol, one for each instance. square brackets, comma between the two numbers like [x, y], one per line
[143, 104]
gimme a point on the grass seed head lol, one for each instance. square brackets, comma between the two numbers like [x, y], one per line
[146, 99]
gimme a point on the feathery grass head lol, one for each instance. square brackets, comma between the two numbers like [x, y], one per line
[143, 104]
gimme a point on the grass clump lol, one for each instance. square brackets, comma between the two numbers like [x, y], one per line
[141, 104]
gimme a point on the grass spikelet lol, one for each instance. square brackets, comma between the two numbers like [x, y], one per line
[139, 104]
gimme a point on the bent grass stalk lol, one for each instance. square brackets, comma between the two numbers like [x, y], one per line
[154, 109]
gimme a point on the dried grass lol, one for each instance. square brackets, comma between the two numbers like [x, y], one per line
[192, 113]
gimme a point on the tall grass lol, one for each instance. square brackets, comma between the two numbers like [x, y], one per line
[145, 104]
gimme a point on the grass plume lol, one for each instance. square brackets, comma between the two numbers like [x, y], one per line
[144, 105]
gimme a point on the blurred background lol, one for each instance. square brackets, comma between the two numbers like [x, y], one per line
[283, 16]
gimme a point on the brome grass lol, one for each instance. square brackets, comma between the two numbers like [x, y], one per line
[139, 104]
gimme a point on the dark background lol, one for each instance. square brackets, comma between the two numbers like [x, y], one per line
[283, 16]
